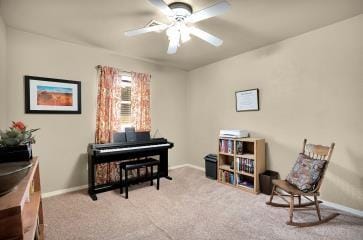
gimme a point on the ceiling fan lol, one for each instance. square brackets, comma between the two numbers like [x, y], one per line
[181, 18]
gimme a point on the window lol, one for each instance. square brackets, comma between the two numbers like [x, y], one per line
[125, 101]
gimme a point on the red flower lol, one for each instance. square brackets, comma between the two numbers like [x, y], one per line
[19, 126]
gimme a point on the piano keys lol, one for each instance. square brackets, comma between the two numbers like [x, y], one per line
[118, 150]
[124, 151]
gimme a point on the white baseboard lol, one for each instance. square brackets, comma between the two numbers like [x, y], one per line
[178, 166]
[63, 191]
[196, 167]
[343, 208]
[326, 203]
[340, 207]
[187, 165]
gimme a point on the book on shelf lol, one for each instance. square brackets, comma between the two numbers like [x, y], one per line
[230, 146]
[231, 165]
[228, 177]
[222, 175]
[223, 145]
[239, 148]
[231, 178]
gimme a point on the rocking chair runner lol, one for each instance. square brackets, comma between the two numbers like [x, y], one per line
[315, 152]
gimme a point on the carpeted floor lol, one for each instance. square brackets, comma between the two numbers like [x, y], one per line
[188, 207]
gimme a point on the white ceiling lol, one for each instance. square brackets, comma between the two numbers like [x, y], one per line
[248, 25]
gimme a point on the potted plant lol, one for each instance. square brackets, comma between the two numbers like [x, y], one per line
[15, 142]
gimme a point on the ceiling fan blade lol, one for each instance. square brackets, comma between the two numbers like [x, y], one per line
[163, 7]
[206, 36]
[139, 31]
[209, 12]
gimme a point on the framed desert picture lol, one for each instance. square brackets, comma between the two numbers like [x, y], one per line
[48, 95]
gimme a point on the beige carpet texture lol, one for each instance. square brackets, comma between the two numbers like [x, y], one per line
[190, 206]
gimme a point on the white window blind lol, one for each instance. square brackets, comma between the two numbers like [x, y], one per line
[125, 100]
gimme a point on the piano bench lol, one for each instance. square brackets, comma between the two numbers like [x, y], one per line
[148, 162]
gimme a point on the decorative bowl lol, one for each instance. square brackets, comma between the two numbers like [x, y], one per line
[11, 173]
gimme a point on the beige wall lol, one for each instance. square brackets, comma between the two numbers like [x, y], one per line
[2, 74]
[310, 87]
[63, 139]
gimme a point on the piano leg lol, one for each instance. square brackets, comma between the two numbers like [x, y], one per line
[93, 197]
[91, 178]
[164, 164]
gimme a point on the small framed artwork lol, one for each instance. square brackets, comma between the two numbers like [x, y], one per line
[48, 95]
[247, 100]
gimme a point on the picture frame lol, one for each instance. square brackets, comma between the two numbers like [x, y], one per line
[52, 96]
[247, 100]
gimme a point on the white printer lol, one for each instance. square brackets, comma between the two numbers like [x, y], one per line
[233, 133]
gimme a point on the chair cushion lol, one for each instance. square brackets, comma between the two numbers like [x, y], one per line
[306, 172]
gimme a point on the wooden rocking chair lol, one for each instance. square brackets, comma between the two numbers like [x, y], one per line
[316, 152]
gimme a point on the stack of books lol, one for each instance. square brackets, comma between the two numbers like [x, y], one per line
[245, 165]
[226, 146]
[227, 177]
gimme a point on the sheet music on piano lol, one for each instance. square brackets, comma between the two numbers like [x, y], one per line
[156, 132]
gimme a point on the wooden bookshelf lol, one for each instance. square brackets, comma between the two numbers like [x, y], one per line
[227, 154]
[240, 161]
[21, 212]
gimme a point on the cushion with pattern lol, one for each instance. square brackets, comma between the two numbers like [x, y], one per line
[306, 172]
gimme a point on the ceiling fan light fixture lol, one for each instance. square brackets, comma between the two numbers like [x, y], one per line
[173, 34]
[181, 16]
[174, 41]
[184, 33]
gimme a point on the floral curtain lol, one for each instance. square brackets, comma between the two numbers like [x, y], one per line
[109, 113]
[108, 104]
[140, 101]
[108, 118]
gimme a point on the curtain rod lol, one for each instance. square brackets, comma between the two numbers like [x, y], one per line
[99, 66]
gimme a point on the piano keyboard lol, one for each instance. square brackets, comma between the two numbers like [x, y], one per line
[133, 148]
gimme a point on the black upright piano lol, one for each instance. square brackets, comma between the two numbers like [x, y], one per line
[127, 145]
